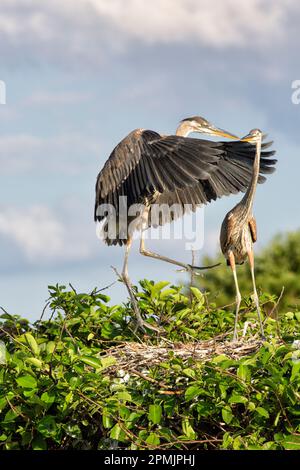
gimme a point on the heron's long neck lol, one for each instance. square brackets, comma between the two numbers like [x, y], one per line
[248, 198]
[183, 130]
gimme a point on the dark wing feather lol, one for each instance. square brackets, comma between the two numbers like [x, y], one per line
[146, 167]
[233, 174]
[145, 163]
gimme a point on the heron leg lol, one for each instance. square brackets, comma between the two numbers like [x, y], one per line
[150, 254]
[140, 323]
[238, 294]
[256, 299]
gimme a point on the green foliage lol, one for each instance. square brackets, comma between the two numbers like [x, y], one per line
[276, 266]
[57, 389]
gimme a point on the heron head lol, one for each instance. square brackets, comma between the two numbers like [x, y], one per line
[254, 136]
[201, 125]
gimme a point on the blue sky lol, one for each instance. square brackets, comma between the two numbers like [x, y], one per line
[81, 75]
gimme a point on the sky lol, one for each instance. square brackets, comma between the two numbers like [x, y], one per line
[80, 75]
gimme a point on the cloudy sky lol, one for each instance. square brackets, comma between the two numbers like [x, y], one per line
[81, 74]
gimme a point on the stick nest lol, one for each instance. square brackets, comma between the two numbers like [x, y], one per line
[133, 357]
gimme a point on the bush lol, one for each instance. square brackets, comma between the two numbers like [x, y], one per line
[61, 388]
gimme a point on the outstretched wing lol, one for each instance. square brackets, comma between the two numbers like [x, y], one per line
[145, 163]
[233, 174]
[177, 169]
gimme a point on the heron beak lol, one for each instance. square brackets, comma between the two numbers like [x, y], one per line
[248, 138]
[222, 133]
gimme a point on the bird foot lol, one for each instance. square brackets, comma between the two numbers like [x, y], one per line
[193, 269]
[186, 269]
[202, 268]
[143, 325]
[234, 340]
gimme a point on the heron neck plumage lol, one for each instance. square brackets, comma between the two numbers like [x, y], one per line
[183, 130]
[247, 201]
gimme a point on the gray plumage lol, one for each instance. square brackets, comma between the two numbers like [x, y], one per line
[147, 167]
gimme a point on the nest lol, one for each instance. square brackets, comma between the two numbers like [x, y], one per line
[134, 357]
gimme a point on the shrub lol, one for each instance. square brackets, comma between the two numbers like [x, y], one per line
[62, 388]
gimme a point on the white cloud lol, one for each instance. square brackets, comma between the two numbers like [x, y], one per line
[41, 236]
[59, 31]
[64, 153]
[230, 22]
[45, 98]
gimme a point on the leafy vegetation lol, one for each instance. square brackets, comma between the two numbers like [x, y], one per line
[61, 388]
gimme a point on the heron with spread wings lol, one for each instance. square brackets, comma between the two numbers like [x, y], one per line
[147, 168]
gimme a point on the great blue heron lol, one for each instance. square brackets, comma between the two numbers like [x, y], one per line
[238, 231]
[147, 168]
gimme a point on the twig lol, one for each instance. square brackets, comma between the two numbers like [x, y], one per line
[106, 287]
[43, 311]
[149, 379]
[14, 339]
[276, 304]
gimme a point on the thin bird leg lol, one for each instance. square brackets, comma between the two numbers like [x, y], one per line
[140, 323]
[238, 294]
[150, 254]
[256, 299]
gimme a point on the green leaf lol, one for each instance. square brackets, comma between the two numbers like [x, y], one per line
[117, 433]
[35, 362]
[187, 429]
[289, 315]
[227, 415]
[73, 430]
[155, 413]
[108, 361]
[124, 396]
[107, 421]
[158, 287]
[262, 412]
[48, 397]
[237, 443]
[39, 443]
[198, 295]
[10, 416]
[244, 373]
[50, 347]
[291, 442]
[237, 398]
[3, 403]
[295, 371]
[192, 392]
[27, 381]
[189, 372]
[47, 426]
[220, 358]
[91, 361]
[276, 421]
[32, 344]
[153, 439]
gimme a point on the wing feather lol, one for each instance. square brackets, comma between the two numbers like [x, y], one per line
[177, 169]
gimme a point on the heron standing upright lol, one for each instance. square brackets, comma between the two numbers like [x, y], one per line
[238, 231]
[148, 168]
